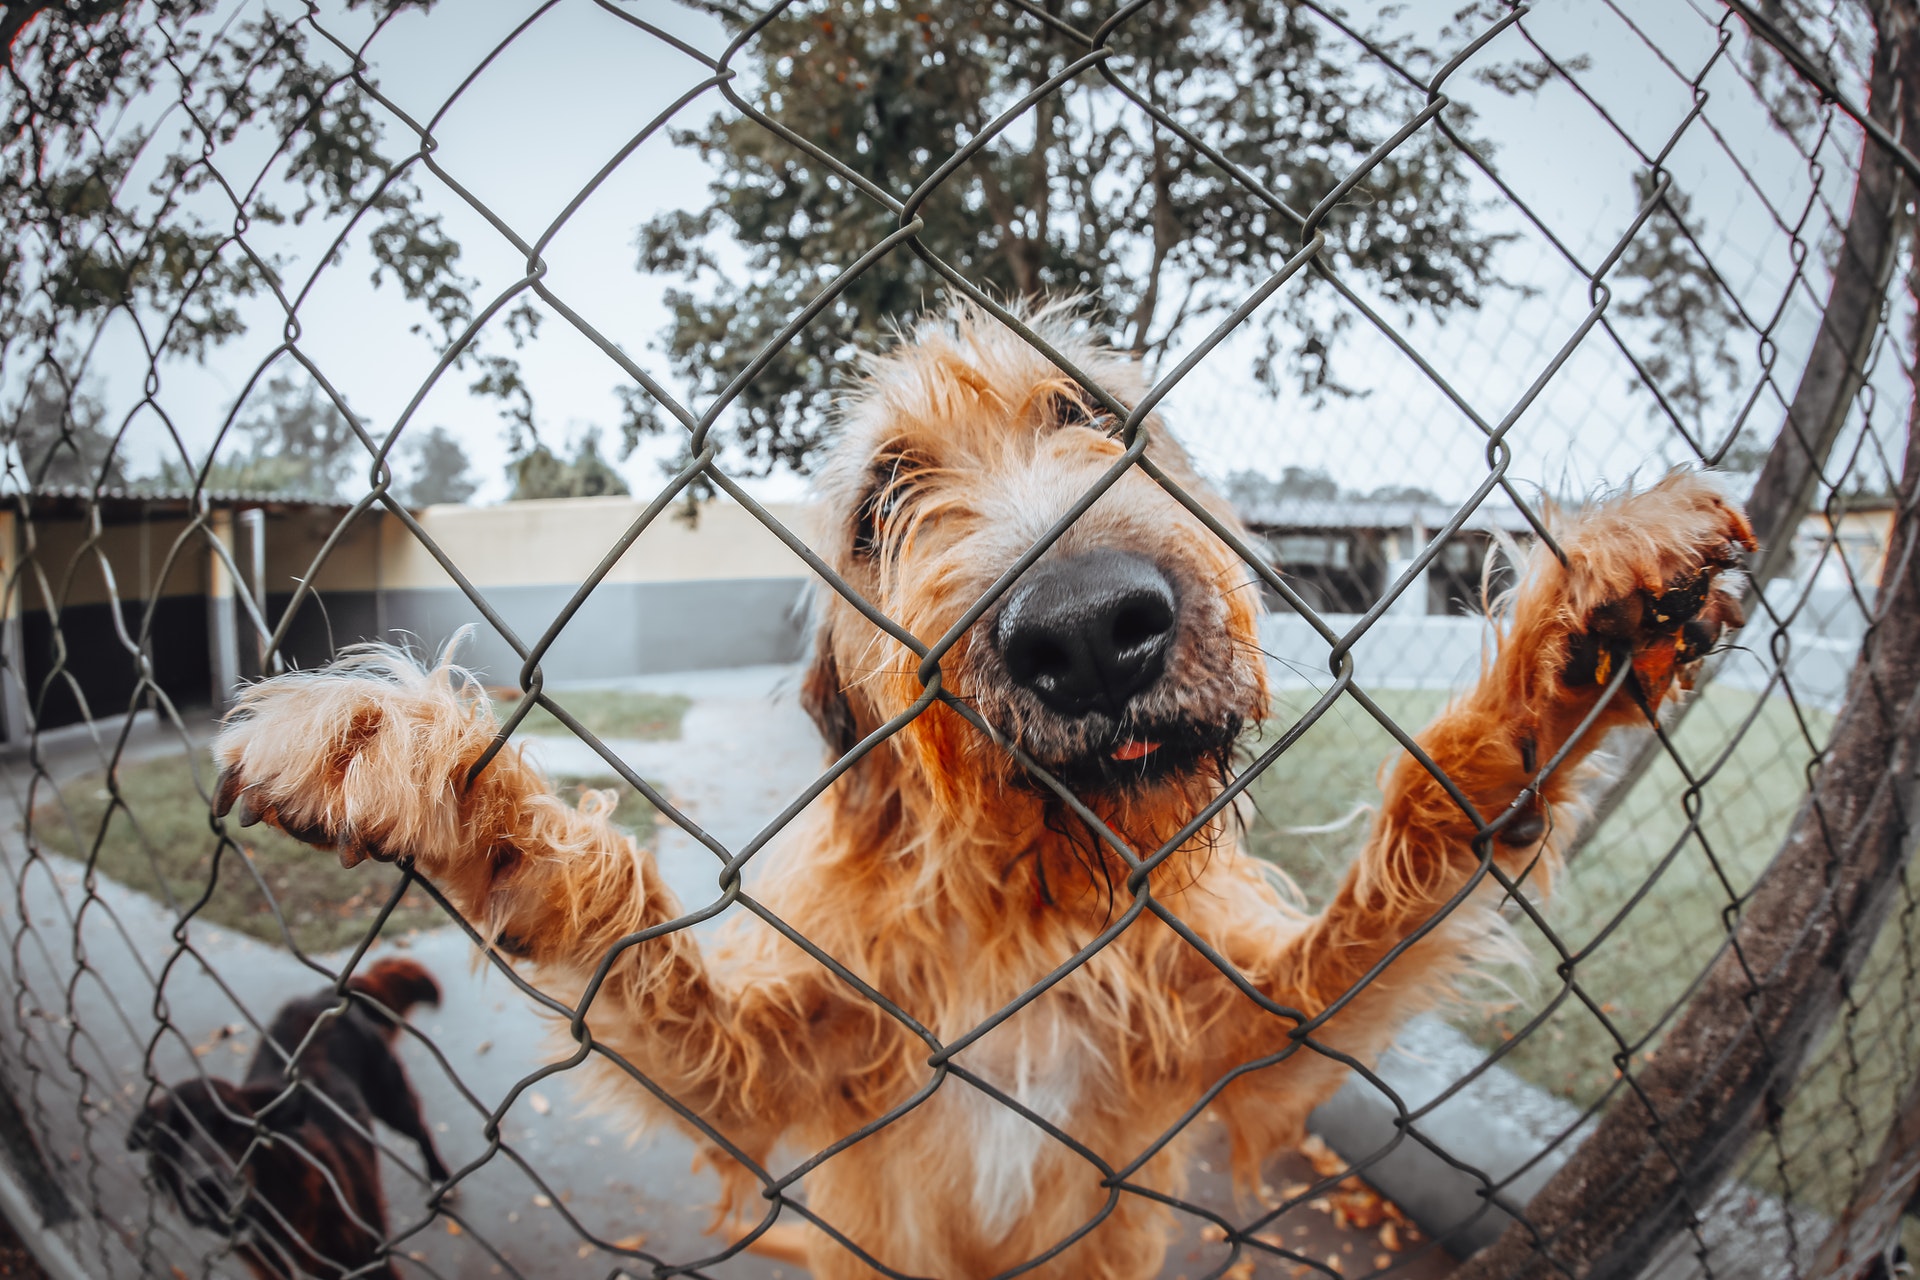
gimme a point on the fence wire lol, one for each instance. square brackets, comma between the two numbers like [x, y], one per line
[1790, 234]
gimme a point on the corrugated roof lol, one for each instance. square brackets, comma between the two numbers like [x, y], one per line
[219, 497]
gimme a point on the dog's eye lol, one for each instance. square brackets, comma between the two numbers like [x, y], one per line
[1069, 410]
[1072, 409]
[892, 482]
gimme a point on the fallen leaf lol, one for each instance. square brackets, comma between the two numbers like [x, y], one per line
[539, 1103]
[542, 1202]
[1213, 1232]
[1325, 1161]
[1381, 1261]
[482, 1047]
[634, 1241]
[453, 1228]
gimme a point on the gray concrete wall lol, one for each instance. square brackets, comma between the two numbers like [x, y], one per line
[623, 629]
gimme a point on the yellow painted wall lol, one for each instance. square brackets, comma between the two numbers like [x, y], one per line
[560, 540]
[557, 541]
[76, 569]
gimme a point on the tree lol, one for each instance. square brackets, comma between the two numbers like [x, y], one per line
[1682, 313]
[1084, 195]
[441, 470]
[63, 440]
[95, 89]
[1687, 319]
[1247, 489]
[295, 441]
[1251, 489]
[542, 474]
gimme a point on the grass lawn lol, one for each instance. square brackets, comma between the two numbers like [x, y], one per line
[605, 713]
[1636, 973]
[161, 842]
[1323, 778]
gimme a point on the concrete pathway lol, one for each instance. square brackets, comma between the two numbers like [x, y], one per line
[745, 751]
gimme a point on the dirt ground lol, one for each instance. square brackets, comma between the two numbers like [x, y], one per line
[15, 1261]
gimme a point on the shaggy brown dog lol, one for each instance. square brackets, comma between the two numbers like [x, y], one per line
[946, 879]
[304, 1198]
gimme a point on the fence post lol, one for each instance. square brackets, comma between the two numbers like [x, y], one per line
[13, 653]
[253, 521]
[223, 644]
[1806, 927]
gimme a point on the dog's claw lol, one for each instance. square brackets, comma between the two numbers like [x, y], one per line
[245, 812]
[226, 790]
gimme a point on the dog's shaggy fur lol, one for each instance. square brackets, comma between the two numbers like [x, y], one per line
[943, 877]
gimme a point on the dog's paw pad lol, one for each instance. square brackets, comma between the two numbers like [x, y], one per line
[1668, 624]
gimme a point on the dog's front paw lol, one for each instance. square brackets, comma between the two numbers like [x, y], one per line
[367, 757]
[1646, 585]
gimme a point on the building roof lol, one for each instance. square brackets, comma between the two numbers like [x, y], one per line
[1369, 513]
[123, 502]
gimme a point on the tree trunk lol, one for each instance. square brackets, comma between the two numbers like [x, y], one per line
[1831, 379]
[1804, 931]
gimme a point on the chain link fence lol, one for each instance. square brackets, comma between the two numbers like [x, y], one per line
[1709, 1066]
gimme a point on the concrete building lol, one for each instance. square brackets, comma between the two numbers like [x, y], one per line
[1341, 554]
[104, 591]
[720, 591]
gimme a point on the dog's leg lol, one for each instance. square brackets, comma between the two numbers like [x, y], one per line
[371, 757]
[1640, 589]
[391, 1098]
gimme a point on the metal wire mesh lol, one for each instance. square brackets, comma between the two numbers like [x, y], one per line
[116, 999]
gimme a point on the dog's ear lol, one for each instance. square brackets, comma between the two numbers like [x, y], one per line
[825, 698]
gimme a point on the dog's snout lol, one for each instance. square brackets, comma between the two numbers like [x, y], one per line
[1088, 632]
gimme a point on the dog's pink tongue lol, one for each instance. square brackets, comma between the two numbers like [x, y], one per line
[1135, 749]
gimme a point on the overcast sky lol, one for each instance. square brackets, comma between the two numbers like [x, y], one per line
[573, 87]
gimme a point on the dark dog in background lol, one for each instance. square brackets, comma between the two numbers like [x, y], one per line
[306, 1199]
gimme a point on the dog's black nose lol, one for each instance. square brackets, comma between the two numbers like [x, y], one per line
[1089, 631]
